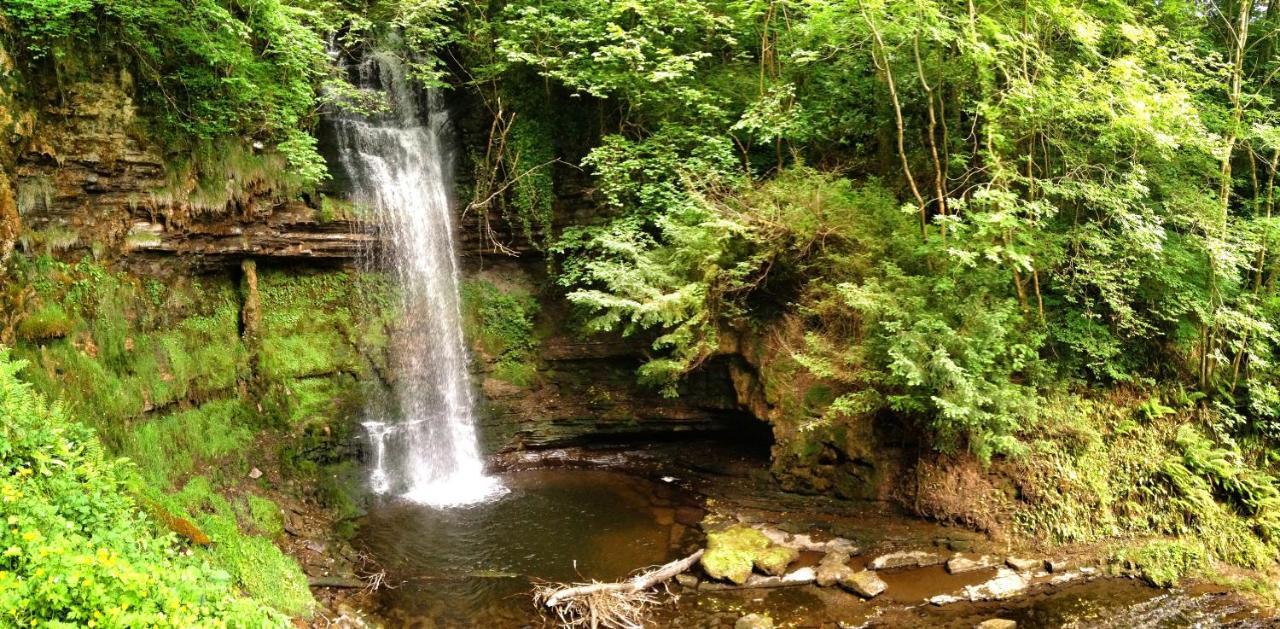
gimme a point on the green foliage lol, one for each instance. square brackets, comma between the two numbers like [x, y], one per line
[212, 69]
[169, 448]
[501, 323]
[77, 550]
[255, 564]
[1162, 562]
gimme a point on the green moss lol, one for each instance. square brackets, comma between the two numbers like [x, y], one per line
[774, 560]
[501, 325]
[169, 448]
[266, 516]
[256, 565]
[49, 322]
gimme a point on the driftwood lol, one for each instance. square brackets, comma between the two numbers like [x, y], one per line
[613, 605]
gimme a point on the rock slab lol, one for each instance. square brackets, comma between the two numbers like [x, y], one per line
[906, 559]
[961, 565]
[865, 583]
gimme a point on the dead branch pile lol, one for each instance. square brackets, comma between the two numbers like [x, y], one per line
[609, 605]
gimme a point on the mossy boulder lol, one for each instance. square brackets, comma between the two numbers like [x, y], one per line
[732, 553]
[774, 560]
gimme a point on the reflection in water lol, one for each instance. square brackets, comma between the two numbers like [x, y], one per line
[474, 566]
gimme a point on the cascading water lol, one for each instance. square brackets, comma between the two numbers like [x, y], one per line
[400, 171]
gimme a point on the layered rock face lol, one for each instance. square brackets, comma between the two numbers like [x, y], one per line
[87, 180]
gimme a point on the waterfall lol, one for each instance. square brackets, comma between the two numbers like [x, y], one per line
[399, 164]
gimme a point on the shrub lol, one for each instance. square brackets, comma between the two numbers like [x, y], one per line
[76, 549]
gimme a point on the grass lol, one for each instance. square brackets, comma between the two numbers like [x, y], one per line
[169, 448]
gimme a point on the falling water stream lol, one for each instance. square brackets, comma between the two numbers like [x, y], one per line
[399, 163]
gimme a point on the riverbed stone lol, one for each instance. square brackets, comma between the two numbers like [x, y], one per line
[1056, 565]
[687, 580]
[832, 569]
[754, 621]
[1005, 584]
[864, 583]
[960, 564]
[998, 623]
[1021, 564]
[906, 559]
[774, 560]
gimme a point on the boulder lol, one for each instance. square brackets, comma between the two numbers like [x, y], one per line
[754, 621]
[864, 583]
[906, 559]
[773, 561]
[731, 553]
[1056, 565]
[960, 564]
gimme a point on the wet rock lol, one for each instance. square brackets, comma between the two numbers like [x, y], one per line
[687, 580]
[833, 568]
[773, 561]
[906, 559]
[841, 545]
[864, 583]
[944, 599]
[689, 516]
[997, 623]
[1022, 565]
[961, 565]
[1005, 584]
[754, 621]
[1055, 565]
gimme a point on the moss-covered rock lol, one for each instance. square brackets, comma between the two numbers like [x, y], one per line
[773, 561]
[732, 553]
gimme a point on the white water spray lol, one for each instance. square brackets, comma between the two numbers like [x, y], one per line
[400, 169]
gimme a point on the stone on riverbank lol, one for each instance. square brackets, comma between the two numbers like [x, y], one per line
[906, 559]
[864, 583]
[1005, 584]
[1022, 565]
[998, 623]
[961, 565]
[833, 568]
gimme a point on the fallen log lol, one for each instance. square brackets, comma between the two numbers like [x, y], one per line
[336, 582]
[616, 605]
